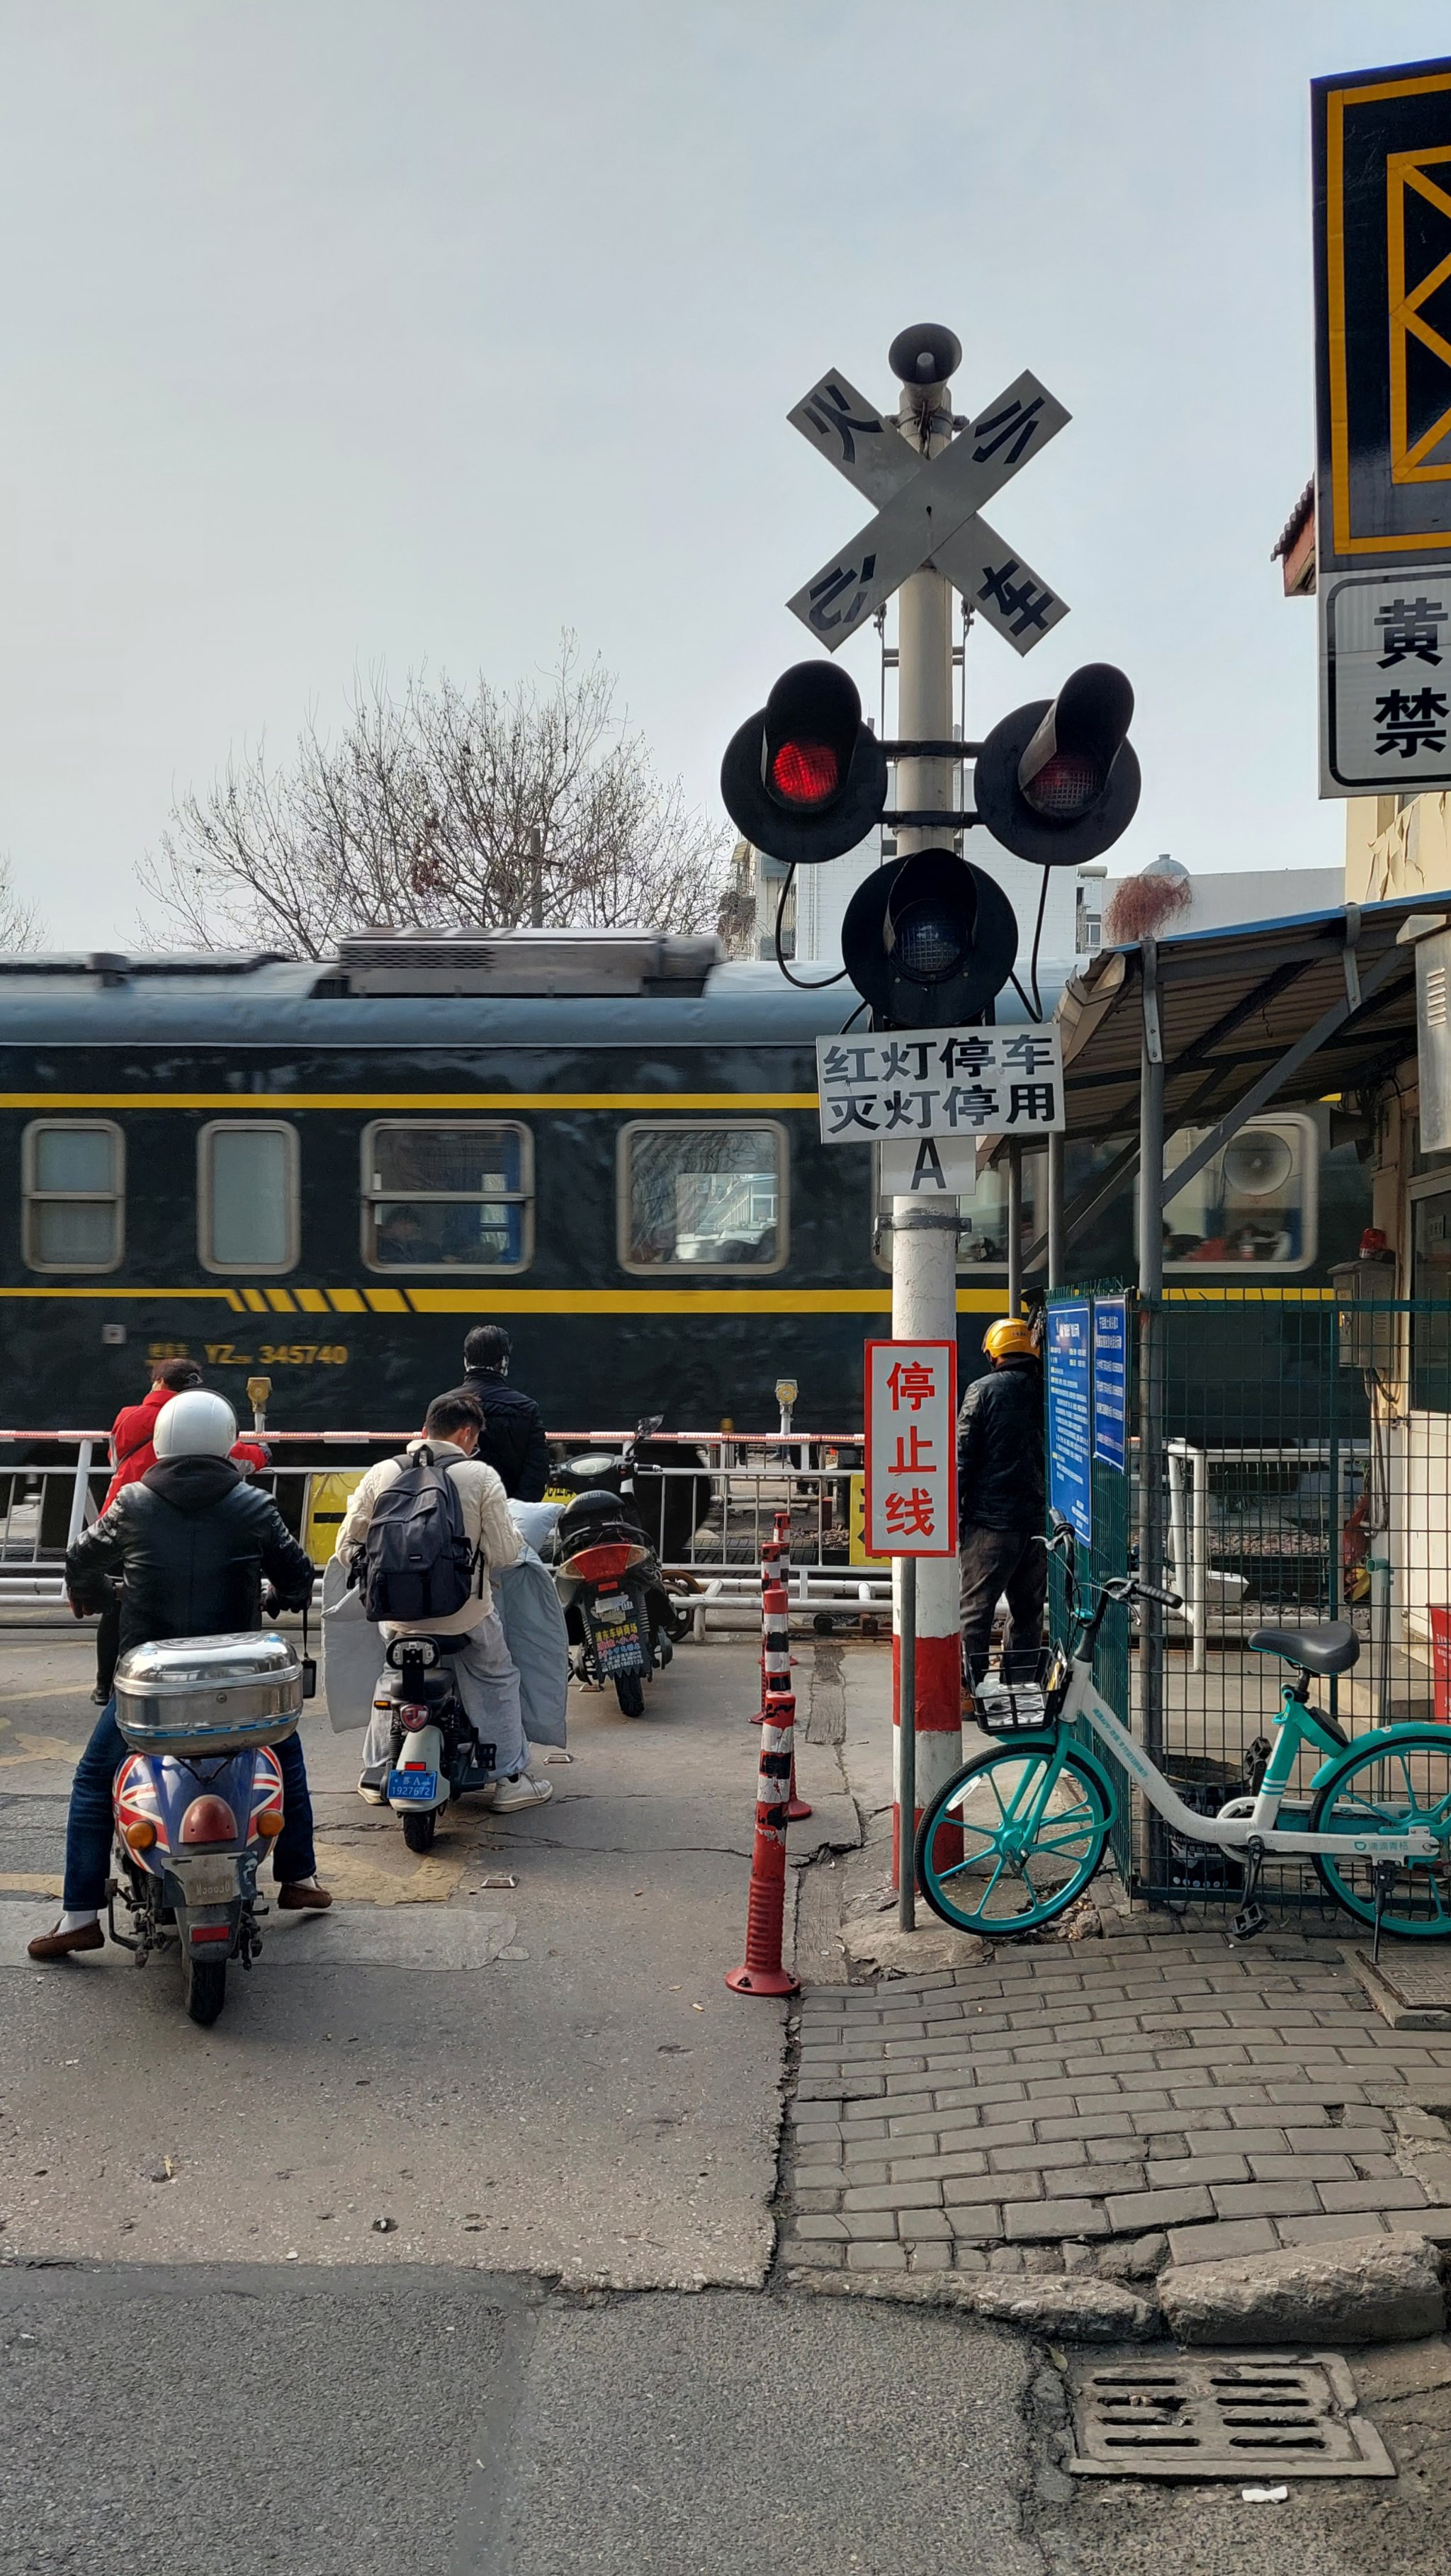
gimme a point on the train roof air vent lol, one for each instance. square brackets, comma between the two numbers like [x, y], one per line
[540, 962]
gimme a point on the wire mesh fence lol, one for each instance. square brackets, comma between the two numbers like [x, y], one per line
[1304, 1479]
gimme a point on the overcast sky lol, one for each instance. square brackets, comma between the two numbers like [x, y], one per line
[347, 334]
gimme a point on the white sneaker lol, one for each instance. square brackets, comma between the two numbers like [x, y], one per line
[522, 1791]
[373, 1791]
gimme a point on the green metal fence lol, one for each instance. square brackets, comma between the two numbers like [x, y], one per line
[1305, 1476]
[1304, 1479]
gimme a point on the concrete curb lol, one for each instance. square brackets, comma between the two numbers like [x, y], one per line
[1367, 2289]
[1040, 2303]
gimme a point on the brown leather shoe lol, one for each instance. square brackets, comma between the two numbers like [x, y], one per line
[294, 1897]
[59, 1945]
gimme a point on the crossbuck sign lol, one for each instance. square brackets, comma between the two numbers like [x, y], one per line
[928, 511]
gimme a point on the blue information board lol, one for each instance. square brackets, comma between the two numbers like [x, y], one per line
[1110, 1379]
[1069, 1479]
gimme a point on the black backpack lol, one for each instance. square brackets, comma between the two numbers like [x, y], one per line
[417, 1562]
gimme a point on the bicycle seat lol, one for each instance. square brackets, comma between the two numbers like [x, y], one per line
[1331, 1649]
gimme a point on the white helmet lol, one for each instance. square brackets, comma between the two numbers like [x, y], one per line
[196, 1424]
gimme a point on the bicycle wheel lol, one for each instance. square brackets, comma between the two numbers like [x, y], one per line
[1013, 1838]
[1388, 1787]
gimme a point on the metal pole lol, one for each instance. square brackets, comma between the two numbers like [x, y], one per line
[536, 877]
[1151, 1409]
[1057, 1240]
[1015, 1226]
[907, 1743]
[924, 1240]
[1330, 1367]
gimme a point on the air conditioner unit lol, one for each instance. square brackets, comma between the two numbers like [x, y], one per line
[541, 963]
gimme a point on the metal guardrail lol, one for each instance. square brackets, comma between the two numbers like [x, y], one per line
[715, 1515]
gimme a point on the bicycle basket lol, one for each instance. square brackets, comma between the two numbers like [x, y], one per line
[1011, 1695]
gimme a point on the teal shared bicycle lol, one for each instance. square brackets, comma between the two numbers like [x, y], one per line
[1020, 1831]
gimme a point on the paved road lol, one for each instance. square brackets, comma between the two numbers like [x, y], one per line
[548, 2077]
[346, 2423]
[538, 2085]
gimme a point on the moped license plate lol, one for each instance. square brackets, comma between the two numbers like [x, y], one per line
[413, 1788]
[612, 1608]
[619, 1651]
[213, 1881]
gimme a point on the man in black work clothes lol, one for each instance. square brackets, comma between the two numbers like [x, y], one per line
[1001, 1495]
[513, 1441]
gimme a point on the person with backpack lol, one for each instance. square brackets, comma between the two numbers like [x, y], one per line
[422, 1534]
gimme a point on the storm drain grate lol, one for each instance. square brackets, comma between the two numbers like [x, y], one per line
[1224, 2415]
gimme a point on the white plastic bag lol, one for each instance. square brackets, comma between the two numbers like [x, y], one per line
[352, 1652]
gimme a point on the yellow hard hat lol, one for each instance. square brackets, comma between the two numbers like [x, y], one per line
[1008, 1339]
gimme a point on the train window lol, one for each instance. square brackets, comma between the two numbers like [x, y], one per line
[247, 1196]
[1254, 1203]
[452, 1195]
[74, 1187]
[983, 1242]
[697, 1197]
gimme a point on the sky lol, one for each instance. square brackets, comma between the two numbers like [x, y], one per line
[344, 337]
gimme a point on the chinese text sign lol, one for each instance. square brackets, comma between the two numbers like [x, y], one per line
[911, 1417]
[1110, 1379]
[1069, 1478]
[939, 1082]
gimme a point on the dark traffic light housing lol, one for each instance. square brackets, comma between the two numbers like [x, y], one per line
[1058, 780]
[804, 779]
[928, 941]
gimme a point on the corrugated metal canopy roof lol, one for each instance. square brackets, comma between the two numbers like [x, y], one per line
[1232, 1003]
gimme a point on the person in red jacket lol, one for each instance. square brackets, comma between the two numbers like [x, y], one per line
[132, 1452]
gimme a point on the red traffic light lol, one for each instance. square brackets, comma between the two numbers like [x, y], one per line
[1064, 785]
[804, 779]
[1067, 764]
[804, 773]
[1057, 781]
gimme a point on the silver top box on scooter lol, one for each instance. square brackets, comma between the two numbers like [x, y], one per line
[205, 1694]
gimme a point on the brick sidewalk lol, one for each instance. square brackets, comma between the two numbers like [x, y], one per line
[1110, 2102]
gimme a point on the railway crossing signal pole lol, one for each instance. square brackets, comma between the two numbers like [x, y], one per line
[924, 1237]
[930, 940]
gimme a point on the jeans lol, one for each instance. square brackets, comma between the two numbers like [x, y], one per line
[89, 1827]
[1011, 1562]
[488, 1685]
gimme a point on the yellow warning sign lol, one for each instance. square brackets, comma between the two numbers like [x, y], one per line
[328, 1497]
[857, 1526]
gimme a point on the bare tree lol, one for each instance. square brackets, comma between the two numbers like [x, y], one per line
[20, 925]
[439, 808]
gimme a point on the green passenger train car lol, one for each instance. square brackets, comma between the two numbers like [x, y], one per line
[325, 1175]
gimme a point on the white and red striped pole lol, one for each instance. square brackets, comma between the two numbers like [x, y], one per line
[924, 1239]
[763, 1972]
[776, 1638]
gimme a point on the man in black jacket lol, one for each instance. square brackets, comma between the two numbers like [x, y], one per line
[192, 1541]
[1000, 1498]
[513, 1441]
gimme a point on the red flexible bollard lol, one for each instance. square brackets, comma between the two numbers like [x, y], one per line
[762, 1972]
